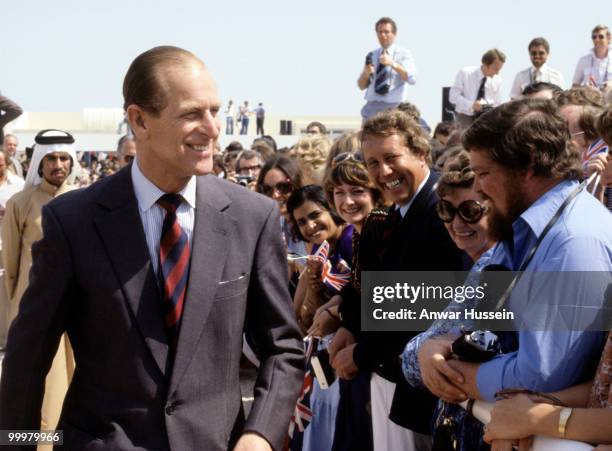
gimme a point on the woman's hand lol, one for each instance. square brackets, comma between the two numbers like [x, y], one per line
[438, 376]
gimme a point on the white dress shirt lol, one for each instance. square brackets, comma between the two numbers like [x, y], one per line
[152, 215]
[533, 75]
[465, 90]
[399, 88]
[590, 66]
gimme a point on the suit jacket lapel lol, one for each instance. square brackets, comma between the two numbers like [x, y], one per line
[209, 251]
[120, 227]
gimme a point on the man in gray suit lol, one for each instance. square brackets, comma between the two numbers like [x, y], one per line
[155, 298]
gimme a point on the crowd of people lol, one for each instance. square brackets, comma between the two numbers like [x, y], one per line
[524, 185]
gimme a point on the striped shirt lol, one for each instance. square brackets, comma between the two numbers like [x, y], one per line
[152, 215]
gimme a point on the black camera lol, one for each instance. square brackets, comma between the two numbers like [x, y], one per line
[477, 346]
[244, 180]
[369, 59]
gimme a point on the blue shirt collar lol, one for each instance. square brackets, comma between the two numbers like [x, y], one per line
[539, 214]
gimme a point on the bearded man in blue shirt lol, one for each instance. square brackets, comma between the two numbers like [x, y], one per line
[529, 174]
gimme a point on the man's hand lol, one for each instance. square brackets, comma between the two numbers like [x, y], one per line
[513, 418]
[344, 364]
[438, 376]
[252, 442]
[596, 164]
[606, 175]
[385, 59]
[477, 106]
[323, 323]
[341, 340]
[468, 370]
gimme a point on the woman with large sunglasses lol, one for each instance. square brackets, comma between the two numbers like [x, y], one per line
[278, 178]
[463, 212]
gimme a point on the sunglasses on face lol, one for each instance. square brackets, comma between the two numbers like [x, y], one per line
[346, 156]
[282, 187]
[537, 53]
[470, 211]
[598, 36]
[128, 158]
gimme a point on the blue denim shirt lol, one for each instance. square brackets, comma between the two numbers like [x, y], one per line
[581, 240]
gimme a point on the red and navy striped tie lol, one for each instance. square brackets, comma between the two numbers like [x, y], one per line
[173, 266]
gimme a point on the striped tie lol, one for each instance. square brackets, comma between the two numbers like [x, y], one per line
[382, 83]
[173, 266]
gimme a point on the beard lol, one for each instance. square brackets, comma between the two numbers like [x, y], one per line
[500, 224]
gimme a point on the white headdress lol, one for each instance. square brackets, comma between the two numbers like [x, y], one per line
[46, 144]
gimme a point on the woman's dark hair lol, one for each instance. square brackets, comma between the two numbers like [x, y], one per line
[286, 165]
[353, 173]
[312, 193]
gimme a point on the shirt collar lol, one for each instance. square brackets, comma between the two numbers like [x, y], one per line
[539, 214]
[390, 49]
[147, 193]
[543, 68]
[403, 209]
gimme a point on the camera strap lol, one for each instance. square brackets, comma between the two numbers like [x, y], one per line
[534, 248]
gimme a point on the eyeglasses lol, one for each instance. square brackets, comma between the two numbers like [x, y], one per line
[346, 156]
[247, 169]
[282, 187]
[535, 53]
[128, 158]
[598, 36]
[470, 211]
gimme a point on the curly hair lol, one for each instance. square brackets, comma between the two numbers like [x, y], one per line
[580, 95]
[396, 122]
[311, 153]
[457, 173]
[604, 126]
[526, 134]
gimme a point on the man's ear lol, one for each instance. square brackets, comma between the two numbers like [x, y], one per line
[137, 118]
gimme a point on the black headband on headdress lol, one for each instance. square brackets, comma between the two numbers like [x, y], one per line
[66, 138]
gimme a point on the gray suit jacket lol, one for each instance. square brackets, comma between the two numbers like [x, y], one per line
[92, 277]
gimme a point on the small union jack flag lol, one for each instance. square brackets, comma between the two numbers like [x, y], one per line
[598, 147]
[334, 280]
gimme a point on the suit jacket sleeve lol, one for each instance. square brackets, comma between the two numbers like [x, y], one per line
[36, 332]
[271, 324]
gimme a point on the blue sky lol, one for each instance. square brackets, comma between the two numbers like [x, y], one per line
[296, 57]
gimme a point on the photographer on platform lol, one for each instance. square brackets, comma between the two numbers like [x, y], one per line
[477, 89]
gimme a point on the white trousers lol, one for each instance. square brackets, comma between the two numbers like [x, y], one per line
[387, 435]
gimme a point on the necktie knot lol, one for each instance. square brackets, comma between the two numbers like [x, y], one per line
[170, 202]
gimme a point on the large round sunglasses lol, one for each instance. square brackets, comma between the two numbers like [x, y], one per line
[470, 211]
[282, 187]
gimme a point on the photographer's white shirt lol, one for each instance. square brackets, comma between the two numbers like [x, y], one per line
[465, 90]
